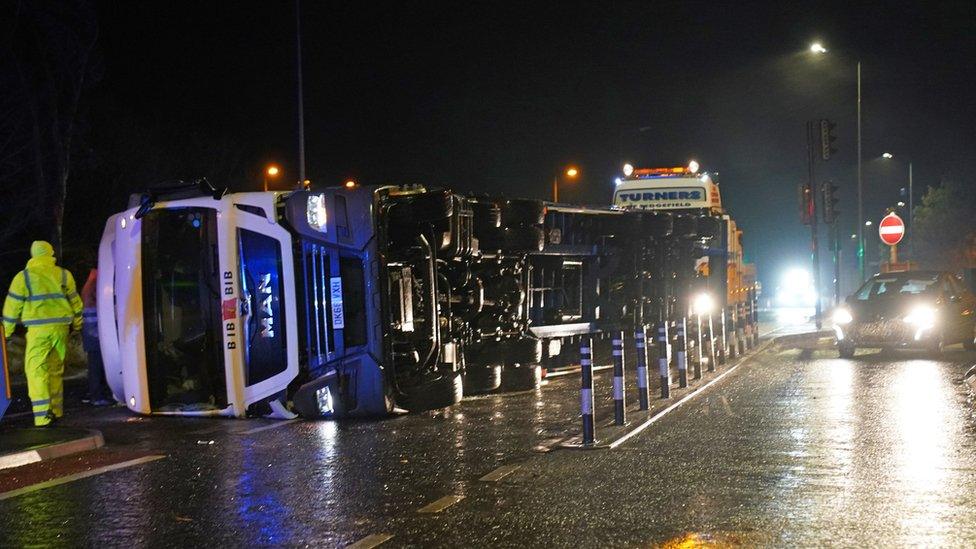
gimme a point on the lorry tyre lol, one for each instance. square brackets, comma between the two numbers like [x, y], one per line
[440, 392]
[523, 212]
[429, 206]
[523, 351]
[846, 351]
[659, 225]
[685, 225]
[481, 378]
[709, 227]
[522, 377]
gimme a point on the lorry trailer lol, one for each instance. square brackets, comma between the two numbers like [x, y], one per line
[360, 300]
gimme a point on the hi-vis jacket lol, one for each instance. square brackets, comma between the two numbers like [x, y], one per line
[43, 294]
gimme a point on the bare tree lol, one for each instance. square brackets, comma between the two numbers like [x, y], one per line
[45, 67]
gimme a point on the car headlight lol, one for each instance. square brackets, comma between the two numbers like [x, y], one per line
[922, 316]
[842, 316]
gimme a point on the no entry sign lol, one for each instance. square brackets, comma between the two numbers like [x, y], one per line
[891, 229]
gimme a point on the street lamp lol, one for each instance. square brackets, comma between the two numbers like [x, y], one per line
[818, 49]
[570, 173]
[271, 172]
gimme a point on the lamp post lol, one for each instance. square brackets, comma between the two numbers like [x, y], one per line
[271, 172]
[911, 206]
[818, 49]
[570, 173]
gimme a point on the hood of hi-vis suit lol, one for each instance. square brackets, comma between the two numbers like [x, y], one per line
[41, 248]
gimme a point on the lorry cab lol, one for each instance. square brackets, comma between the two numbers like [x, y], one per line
[215, 305]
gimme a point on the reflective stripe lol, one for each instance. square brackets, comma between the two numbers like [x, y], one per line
[43, 297]
[41, 414]
[27, 281]
[10, 320]
[39, 321]
[64, 277]
[40, 402]
[72, 294]
[16, 296]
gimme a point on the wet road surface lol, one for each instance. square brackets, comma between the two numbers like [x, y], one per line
[793, 448]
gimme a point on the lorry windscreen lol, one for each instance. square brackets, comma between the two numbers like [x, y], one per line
[182, 309]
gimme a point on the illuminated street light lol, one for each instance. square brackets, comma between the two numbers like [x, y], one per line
[271, 172]
[693, 166]
[818, 49]
[887, 156]
[868, 223]
[571, 173]
[350, 184]
[901, 204]
[628, 169]
[854, 236]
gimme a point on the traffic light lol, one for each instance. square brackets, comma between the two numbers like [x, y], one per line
[807, 204]
[827, 138]
[830, 200]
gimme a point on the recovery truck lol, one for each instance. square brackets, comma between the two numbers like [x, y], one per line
[356, 301]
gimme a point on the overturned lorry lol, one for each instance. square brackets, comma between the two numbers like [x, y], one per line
[355, 301]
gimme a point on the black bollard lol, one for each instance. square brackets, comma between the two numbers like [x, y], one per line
[663, 364]
[643, 398]
[723, 344]
[619, 399]
[733, 334]
[586, 391]
[700, 347]
[681, 343]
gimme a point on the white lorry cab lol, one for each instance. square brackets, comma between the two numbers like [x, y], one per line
[202, 307]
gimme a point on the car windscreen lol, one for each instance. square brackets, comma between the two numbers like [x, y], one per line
[895, 286]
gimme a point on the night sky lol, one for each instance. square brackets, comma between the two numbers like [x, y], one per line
[495, 97]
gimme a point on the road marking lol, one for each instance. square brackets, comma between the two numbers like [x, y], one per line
[499, 473]
[689, 396]
[440, 505]
[77, 476]
[370, 541]
[281, 423]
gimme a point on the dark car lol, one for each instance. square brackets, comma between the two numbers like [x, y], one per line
[910, 309]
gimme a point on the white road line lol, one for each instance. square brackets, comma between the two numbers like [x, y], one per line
[686, 398]
[440, 505]
[370, 541]
[499, 473]
[280, 423]
[77, 476]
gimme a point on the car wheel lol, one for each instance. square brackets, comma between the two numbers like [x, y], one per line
[937, 346]
[970, 344]
[481, 378]
[846, 351]
[440, 392]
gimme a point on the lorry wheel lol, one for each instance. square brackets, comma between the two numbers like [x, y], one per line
[440, 392]
[685, 225]
[522, 377]
[846, 351]
[937, 346]
[481, 378]
[523, 351]
[523, 212]
[429, 206]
